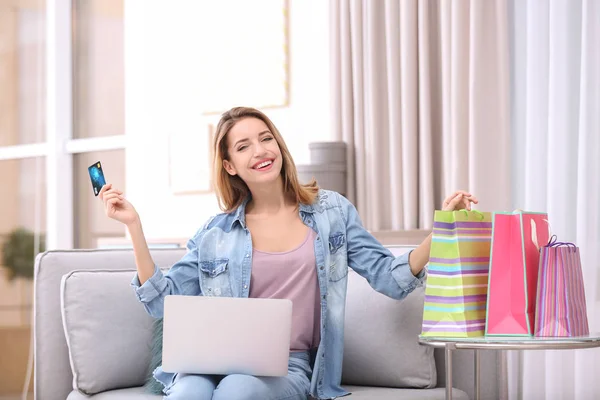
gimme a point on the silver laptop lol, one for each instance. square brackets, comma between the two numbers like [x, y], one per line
[226, 335]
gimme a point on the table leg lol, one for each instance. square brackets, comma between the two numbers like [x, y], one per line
[448, 371]
[503, 382]
[477, 376]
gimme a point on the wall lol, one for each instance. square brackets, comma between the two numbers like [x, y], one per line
[14, 343]
[163, 94]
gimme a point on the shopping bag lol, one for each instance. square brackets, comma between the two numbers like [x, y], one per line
[457, 275]
[514, 263]
[560, 302]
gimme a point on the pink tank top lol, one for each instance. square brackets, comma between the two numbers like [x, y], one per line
[292, 275]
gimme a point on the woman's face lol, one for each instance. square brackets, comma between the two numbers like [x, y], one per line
[254, 154]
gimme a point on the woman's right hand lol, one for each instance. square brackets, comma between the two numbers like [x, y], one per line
[116, 206]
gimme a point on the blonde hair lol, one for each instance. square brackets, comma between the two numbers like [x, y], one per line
[232, 190]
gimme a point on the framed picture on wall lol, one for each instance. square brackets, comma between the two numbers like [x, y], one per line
[191, 162]
[250, 69]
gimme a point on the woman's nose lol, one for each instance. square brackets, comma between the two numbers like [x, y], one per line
[259, 149]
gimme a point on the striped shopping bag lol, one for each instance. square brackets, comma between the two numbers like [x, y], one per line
[561, 308]
[456, 288]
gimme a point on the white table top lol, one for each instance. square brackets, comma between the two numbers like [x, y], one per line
[514, 342]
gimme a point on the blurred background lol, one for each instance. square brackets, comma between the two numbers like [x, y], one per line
[499, 97]
[76, 76]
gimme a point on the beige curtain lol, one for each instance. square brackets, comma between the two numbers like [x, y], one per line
[555, 97]
[420, 94]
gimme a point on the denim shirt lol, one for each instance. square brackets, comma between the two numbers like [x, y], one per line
[219, 261]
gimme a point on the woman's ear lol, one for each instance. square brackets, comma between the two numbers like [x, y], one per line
[229, 168]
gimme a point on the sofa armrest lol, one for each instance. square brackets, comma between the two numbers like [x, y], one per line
[53, 379]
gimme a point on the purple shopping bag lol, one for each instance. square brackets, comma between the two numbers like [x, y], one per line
[560, 302]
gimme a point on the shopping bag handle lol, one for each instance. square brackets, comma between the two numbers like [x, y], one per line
[555, 243]
[475, 211]
[534, 237]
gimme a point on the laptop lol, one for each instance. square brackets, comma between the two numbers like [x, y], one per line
[226, 335]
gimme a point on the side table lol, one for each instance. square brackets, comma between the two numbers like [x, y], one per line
[502, 343]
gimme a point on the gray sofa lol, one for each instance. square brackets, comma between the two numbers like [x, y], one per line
[93, 339]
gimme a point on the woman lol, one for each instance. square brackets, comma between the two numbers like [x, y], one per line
[276, 239]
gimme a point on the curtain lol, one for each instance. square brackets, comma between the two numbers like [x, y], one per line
[501, 98]
[421, 95]
[555, 103]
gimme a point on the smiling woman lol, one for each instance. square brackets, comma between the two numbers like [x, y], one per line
[250, 153]
[276, 239]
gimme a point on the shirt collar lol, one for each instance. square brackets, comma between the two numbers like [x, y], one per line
[240, 213]
[307, 208]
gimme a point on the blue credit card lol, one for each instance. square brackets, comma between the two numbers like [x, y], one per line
[97, 177]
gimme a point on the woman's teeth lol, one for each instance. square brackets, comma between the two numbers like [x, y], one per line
[263, 164]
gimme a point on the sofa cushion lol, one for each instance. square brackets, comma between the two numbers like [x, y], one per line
[358, 393]
[137, 393]
[108, 332]
[381, 339]
[370, 393]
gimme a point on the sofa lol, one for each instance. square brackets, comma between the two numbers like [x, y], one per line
[93, 339]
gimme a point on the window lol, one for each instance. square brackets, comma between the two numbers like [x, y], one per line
[23, 222]
[98, 68]
[22, 72]
[22, 161]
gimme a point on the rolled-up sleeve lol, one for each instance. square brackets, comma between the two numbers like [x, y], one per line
[152, 288]
[385, 272]
[181, 279]
[404, 276]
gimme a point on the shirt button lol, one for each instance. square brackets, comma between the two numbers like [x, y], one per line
[245, 286]
[321, 268]
[324, 296]
[247, 255]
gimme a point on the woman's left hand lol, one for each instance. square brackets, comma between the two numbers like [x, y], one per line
[459, 200]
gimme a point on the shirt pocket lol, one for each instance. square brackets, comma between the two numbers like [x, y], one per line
[338, 257]
[214, 278]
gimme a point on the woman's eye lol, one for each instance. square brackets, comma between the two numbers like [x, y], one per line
[242, 148]
[269, 138]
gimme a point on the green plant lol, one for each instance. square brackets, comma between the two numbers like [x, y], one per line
[18, 253]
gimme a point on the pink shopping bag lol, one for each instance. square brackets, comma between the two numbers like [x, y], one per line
[560, 303]
[513, 276]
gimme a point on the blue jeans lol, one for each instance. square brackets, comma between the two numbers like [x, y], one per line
[294, 386]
